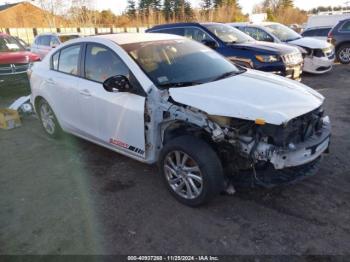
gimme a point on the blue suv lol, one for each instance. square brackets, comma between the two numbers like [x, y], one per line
[240, 48]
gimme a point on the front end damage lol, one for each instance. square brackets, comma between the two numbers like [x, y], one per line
[256, 153]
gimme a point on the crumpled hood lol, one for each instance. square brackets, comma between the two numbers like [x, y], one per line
[310, 42]
[267, 47]
[251, 95]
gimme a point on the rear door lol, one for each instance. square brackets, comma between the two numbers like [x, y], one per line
[63, 85]
[112, 118]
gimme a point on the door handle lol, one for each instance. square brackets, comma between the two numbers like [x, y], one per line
[85, 92]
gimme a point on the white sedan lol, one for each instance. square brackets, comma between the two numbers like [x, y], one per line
[166, 99]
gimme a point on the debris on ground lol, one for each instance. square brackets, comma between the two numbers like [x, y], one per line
[22, 105]
[9, 119]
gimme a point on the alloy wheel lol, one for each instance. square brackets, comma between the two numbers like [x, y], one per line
[47, 118]
[183, 175]
[344, 55]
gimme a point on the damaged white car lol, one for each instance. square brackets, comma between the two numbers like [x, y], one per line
[165, 99]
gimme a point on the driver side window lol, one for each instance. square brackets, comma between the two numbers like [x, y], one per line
[263, 36]
[101, 63]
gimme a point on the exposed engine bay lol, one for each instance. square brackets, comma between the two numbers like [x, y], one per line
[248, 146]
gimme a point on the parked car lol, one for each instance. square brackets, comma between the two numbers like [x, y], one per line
[23, 43]
[14, 60]
[339, 36]
[240, 48]
[43, 43]
[167, 99]
[328, 19]
[320, 33]
[318, 55]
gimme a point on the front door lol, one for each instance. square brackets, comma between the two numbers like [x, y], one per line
[112, 118]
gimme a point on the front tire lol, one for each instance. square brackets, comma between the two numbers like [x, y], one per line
[343, 54]
[48, 119]
[191, 169]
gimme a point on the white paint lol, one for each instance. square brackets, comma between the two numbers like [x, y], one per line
[251, 95]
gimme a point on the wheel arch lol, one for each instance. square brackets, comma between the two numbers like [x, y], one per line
[180, 128]
[346, 42]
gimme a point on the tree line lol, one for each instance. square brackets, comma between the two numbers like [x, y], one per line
[151, 12]
[159, 11]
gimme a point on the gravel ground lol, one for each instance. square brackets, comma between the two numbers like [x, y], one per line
[73, 197]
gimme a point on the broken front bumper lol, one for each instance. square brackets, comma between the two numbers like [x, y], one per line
[303, 153]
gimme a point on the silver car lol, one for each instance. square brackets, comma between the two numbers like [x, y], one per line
[43, 43]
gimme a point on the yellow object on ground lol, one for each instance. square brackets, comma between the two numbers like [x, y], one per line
[9, 119]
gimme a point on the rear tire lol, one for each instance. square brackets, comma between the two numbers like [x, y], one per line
[343, 54]
[48, 119]
[191, 170]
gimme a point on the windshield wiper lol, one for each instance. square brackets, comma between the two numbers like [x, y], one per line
[292, 39]
[179, 84]
[228, 74]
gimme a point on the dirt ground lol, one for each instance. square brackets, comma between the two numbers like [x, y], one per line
[73, 197]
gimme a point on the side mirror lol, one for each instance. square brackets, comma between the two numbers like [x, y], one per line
[117, 83]
[210, 43]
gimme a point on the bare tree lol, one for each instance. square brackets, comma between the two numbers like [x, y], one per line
[52, 8]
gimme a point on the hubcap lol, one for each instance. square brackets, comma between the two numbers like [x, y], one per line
[183, 175]
[345, 54]
[47, 118]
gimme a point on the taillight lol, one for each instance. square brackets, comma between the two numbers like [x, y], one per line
[330, 36]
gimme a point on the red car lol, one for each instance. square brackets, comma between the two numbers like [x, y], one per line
[14, 60]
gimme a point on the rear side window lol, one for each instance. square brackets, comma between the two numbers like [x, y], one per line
[346, 27]
[317, 32]
[45, 40]
[69, 60]
[38, 40]
[173, 31]
[323, 32]
[102, 63]
[309, 33]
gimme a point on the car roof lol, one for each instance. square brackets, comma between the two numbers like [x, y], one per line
[130, 38]
[317, 27]
[173, 25]
[58, 34]
[184, 24]
[239, 24]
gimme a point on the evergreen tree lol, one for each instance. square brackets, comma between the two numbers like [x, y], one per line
[144, 7]
[156, 5]
[286, 3]
[207, 4]
[168, 6]
[217, 3]
[131, 9]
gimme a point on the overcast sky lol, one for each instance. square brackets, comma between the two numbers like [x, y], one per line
[118, 6]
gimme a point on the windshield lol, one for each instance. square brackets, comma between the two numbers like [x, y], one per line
[10, 44]
[283, 33]
[228, 34]
[64, 38]
[177, 63]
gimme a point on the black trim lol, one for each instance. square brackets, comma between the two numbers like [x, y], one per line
[59, 58]
[138, 87]
[81, 66]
